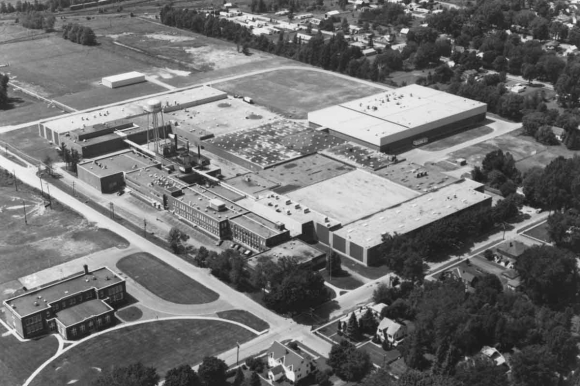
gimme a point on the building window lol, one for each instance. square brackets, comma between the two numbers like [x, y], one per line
[108, 319]
[90, 295]
[74, 331]
[72, 301]
[83, 328]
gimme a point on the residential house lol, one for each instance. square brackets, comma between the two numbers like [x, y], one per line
[391, 331]
[512, 249]
[284, 361]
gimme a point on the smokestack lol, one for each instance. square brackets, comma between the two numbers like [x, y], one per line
[86, 267]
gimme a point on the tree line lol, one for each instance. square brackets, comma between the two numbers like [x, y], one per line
[37, 20]
[79, 34]
[211, 372]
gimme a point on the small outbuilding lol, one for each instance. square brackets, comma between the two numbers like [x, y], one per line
[125, 79]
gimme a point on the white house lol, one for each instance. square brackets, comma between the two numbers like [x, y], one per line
[391, 331]
[283, 361]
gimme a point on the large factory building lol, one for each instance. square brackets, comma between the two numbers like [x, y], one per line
[399, 119]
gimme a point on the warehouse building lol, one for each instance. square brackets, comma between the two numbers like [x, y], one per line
[361, 240]
[396, 120]
[257, 232]
[125, 79]
[107, 174]
[54, 129]
[73, 307]
[302, 253]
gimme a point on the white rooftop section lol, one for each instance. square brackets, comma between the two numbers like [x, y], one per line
[392, 115]
[123, 77]
[412, 215]
[127, 110]
[275, 207]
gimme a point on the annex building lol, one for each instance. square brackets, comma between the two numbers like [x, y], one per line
[395, 120]
[73, 307]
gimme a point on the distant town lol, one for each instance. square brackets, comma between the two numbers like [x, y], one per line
[331, 193]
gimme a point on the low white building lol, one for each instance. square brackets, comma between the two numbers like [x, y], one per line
[283, 361]
[391, 331]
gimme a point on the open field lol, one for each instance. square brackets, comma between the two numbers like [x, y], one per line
[342, 281]
[29, 142]
[164, 280]
[246, 318]
[457, 139]
[294, 93]
[539, 232]
[52, 236]
[19, 359]
[162, 344]
[525, 150]
[24, 108]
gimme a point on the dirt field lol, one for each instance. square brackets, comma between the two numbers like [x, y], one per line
[294, 93]
[51, 237]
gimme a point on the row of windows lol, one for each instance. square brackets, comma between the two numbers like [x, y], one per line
[33, 319]
[34, 327]
[83, 327]
[115, 290]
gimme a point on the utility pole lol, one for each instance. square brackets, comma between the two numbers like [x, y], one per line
[144, 228]
[15, 180]
[112, 210]
[48, 192]
[238, 355]
[74, 189]
[41, 188]
[24, 208]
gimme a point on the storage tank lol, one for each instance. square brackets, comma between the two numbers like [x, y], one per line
[153, 106]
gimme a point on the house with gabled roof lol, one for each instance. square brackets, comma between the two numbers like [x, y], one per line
[391, 331]
[284, 361]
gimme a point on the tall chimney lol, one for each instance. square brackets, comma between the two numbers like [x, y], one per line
[86, 267]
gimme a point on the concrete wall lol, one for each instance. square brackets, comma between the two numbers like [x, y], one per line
[105, 184]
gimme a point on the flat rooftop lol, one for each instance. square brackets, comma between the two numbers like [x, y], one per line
[261, 145]
[251, 183]
[199, 198]
[82, 311]
[220, 117]
[353, 195]
[303, 172]
[275, 207]
[257, 225]
[297, 249]
[359, 156]
[412, 215]
[388, 113]
[405, 173]
[128, 110]
[99, 278]
[122, 162]
[155, 179]
[224, 192]
[127, 75]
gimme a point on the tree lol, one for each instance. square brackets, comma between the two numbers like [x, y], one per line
[239, 379]
[88, 37]
[4, 90]
[549, 276]
[212, 371]
[349, 363]
[333, 263]
[132, 375]
[529, 72]
[352, 327]
[488, 254]
[481, 372]
[254, 380]
[368, 323]
[295, 290]
[534, 366]
[175, 238]
[48, 163]
[546, 136]
[238, 270]
[182, 375]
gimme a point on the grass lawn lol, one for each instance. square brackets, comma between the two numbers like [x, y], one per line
[342, 281]
[30, 143]
[130, 314]
[246, 318]
[165, 281]
[24, 108]
[294, 93]
[52, 236]
[539, 232]
[162, 344]
[370, 272]
[457, 139]
[19, 359]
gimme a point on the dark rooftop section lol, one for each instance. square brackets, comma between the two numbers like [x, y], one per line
[359, 156]
[82, 311]
[275, 142]
[303, 172]
[101, 128]
[34, 301]
[297, 249]
[251, 183]
[416, 177]
[257, 225]
[122, 162]
[512, 248]
[224, 192]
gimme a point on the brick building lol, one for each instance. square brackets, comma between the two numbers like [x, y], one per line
[73, 307]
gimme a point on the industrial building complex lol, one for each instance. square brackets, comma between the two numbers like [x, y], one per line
[330, 183]
[398, 119]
